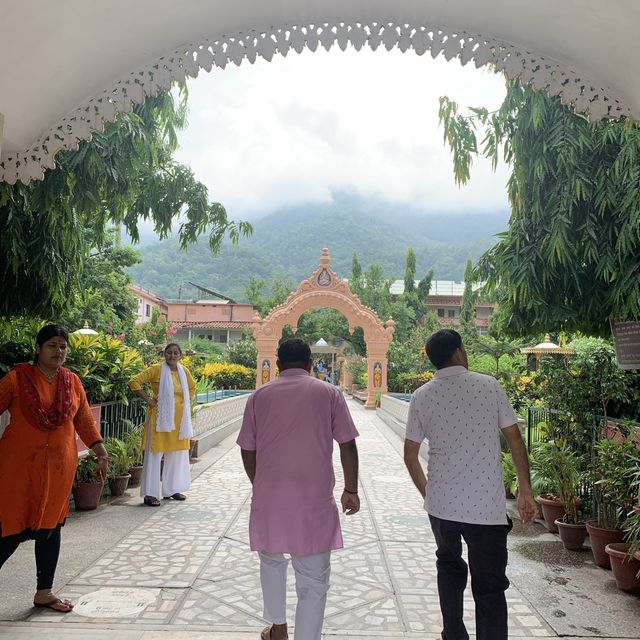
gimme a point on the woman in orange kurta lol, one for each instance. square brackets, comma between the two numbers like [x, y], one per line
[38, 456]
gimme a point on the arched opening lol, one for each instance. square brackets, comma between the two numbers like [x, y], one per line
[325, 289]
[240, 39]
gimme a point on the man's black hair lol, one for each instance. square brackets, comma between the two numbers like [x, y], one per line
[294, 353]
[441, 346]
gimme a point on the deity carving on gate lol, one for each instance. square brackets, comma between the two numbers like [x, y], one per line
[377, 374]
[266, 371]
[324, 278]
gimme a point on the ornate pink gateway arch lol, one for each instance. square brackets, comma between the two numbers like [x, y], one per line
[325, 289]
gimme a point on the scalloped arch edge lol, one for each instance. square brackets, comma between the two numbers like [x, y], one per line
[543, 73]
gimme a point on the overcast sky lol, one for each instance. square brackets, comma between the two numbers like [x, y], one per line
[296, 129]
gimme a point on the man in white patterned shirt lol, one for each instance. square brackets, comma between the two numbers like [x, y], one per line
[461, 414]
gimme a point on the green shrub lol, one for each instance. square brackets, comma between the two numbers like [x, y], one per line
[105, 366]
[119, 460]
[244, 352]
[86, 471]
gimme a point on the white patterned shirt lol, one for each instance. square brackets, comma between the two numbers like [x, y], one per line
[460, 414]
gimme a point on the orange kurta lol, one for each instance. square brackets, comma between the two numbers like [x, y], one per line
[37, 467]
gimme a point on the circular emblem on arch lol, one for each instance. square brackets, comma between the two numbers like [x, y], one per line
[324, 278]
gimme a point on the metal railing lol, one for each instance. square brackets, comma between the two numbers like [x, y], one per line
[219, 394]
[543, 423]
[541, 419]
[118, 418]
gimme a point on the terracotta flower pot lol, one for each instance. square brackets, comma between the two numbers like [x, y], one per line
[625, 568]
[600, 538]
[552, 510]
[86, 495]
[572, 535]
[118, 485]
[136, 474]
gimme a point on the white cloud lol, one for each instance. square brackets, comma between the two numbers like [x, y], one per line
[296, 129]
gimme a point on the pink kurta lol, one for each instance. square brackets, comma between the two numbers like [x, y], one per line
[291, 423]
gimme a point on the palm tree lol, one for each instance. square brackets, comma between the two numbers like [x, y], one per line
[495, 346]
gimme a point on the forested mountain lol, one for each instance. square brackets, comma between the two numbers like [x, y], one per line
[289, 243]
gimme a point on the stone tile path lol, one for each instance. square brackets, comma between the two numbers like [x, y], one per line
[187, 571]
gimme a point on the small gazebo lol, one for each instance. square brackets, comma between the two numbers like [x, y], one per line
[546, 348]
[86, 330]
[322, 347]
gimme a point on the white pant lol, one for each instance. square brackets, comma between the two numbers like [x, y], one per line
[176, 474]
[312, 583]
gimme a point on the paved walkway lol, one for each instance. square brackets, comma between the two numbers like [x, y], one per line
[186, 572]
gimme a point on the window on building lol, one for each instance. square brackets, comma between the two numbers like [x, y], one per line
[147, 311]
[440, 313]
[451, 313]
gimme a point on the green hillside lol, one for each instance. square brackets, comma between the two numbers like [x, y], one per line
[289, 243]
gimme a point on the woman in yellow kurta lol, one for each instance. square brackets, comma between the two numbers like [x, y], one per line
[38, 456]
[168, 429]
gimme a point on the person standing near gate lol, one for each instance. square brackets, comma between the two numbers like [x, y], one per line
[286, 441]
[167, 429]
[461, 414]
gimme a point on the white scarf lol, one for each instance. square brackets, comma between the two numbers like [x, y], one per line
[166, 403]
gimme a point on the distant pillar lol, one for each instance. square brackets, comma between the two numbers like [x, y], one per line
[377, 364]
[267, 346]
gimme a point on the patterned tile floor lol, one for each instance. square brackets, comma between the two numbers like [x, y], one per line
[188, 571]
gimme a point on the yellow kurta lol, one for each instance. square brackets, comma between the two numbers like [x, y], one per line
[164, 441]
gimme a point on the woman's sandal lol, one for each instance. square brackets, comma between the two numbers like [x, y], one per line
[150, 501]
[55, 605]
[176, 496]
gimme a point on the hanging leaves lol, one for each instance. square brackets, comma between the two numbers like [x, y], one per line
[122, 176]
[570, 258]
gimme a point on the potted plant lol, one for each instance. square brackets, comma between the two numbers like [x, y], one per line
[563, 465]
[119, 463]
[631, 528]
[568, 465]
[545, 481]
[625, 563]
[133, 442]
[614, 465]
[625, 556]
[87, 486]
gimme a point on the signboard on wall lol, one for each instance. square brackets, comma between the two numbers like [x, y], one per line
[626, 336]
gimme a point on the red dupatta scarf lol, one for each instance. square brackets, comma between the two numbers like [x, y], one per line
[31, 403]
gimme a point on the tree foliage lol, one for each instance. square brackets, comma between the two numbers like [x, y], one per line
[124, 175]
[424, 286]
[264, 302]
[495, 345]
[570, 258]
[103, 299]
[244, 352]
[468, 309]
[410, 272]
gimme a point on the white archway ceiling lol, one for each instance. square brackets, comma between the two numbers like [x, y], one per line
[68, 66]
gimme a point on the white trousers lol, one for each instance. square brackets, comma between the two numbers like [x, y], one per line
[312, 583]
[176, 474]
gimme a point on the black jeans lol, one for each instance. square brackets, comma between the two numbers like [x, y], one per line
[487, 551]
[47, 553]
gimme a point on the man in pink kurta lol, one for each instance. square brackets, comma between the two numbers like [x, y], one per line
[287, 444]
